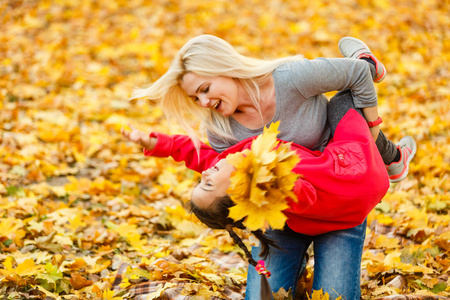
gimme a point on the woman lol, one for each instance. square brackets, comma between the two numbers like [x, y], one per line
[235, 96]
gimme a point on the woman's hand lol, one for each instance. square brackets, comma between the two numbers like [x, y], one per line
[139, 137]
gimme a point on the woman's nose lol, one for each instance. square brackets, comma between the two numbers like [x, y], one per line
[204, 101]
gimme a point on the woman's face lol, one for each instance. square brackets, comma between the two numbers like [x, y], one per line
[217, 92]
[214, 184]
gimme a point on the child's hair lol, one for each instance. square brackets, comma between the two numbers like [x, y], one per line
[215, 216]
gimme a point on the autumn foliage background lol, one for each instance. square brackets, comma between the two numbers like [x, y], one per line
[77, 200]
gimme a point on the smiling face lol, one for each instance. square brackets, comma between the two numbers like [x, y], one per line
[217, 92]
[214, 184]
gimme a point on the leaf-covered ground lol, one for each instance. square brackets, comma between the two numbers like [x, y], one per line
[77, 202]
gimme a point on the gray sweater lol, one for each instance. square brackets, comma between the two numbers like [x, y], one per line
[301, 106]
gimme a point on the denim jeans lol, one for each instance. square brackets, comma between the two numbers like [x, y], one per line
[337, 262]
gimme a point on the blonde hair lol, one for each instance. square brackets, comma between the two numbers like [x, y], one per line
[207, 55]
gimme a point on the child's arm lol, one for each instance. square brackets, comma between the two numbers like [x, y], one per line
[139, 137]
[179, 147]
[306, 196]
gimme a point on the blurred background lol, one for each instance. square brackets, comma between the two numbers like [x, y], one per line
[67, 69]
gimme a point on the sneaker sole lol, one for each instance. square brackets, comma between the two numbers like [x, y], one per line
[353, 39]
[381, 77]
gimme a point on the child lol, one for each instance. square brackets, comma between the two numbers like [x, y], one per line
[337, 188]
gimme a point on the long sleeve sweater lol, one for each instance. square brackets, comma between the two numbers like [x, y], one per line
[301, 106]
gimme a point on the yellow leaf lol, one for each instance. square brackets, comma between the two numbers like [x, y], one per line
[8, 226]
[159, 289]
[392, 259]
[319, 295]
[266, 141]
[213, 278]
[26, 268]
[8, 264]
[263, 181]
[419, 218]
[276, 221]
[237, 213]
[109, 295]
[258, 215]
[76, 222]
[125, 229]
[387, 243]
[99, 266]
[262, 175]
[46, 292]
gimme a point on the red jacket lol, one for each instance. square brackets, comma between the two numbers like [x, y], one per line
[337, 188]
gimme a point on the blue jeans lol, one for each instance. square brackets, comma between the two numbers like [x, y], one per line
[337, 262]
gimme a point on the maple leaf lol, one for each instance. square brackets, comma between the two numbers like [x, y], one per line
[9, 226]
[262, 181]
[24, 269]
[27, 268]
[110, 295]
[282, 294]
[320, 295]
[76, 222]
[53, 280]
[263, 144]
[53, 273]
[8, 264]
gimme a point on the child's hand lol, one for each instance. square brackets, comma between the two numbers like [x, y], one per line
[135, 135]
[139, 137]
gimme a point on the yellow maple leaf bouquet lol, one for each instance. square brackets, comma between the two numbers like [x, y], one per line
[263, 181]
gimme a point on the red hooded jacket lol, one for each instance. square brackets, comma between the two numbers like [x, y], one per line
[337, 188]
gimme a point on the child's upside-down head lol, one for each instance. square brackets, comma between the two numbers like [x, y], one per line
[210, 203]
[213, 184]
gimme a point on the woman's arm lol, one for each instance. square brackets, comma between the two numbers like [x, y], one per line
[322, 75]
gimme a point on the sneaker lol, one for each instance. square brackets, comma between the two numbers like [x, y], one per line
[353, 48]
[398, 171]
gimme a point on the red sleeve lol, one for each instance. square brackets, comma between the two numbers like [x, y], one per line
[181, 148]
[306, 197]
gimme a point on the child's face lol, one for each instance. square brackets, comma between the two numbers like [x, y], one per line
[214, 183]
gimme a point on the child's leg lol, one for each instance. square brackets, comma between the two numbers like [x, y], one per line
[339, 106]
